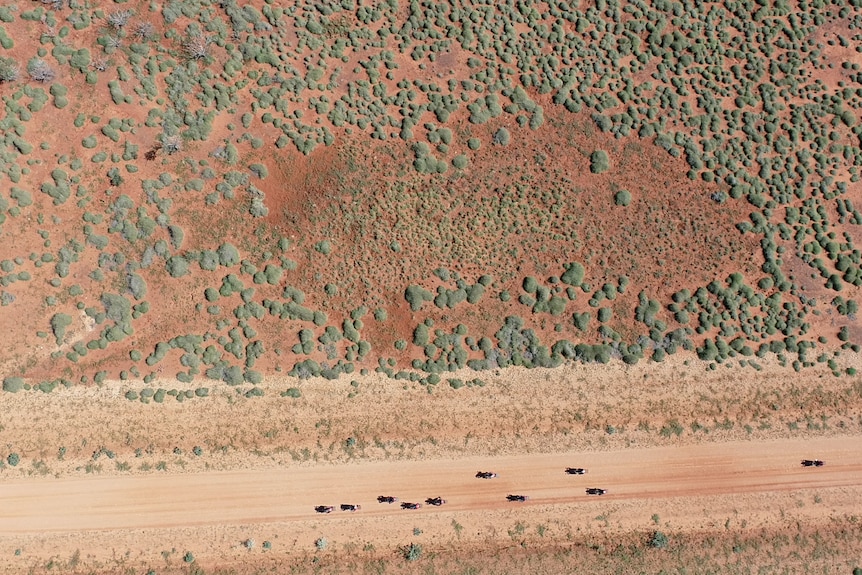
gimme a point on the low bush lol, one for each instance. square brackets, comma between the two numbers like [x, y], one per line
[177, 266]
[59, 92]
[80, 60]
[228, 255]
[502, 137]
[416, 296]
[599, 162]
[40, 70]
[59, 323]
[412, 552]
[574, 274]
[623, 198]
[137, 286]
[259, 170]
[10, 71]
[658, 540]
[21, 196]
[209, 261]
[13, 384]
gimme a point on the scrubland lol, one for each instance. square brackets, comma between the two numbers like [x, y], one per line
[249, 213]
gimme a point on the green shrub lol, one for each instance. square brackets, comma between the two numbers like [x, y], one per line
[412, 552]
[116, 92]
[7, 43]
[111, 132]
[137, 286]
[574, 274]
[623, 198]
[21, 196]
[273, 274]
[259, 170]
[80, 60]
[59, 190]
[195, 184]
[233, 375]
[658, 540]
[581, 320]
[177, 266]
[475, 293]
[228, 255]
[59, 323]
[420, 335]
[209, 261]
[10, 70]
[13, 459]
[211, 294]
[502, 137]
[416, 296]
[59, 92]
[13, 384]
[599, 162]
[604, 314]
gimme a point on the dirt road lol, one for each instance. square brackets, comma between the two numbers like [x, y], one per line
[45, 505]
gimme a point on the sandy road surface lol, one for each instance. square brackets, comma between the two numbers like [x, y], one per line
[44, 505]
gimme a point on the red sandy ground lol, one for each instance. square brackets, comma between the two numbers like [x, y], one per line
[267, 461]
